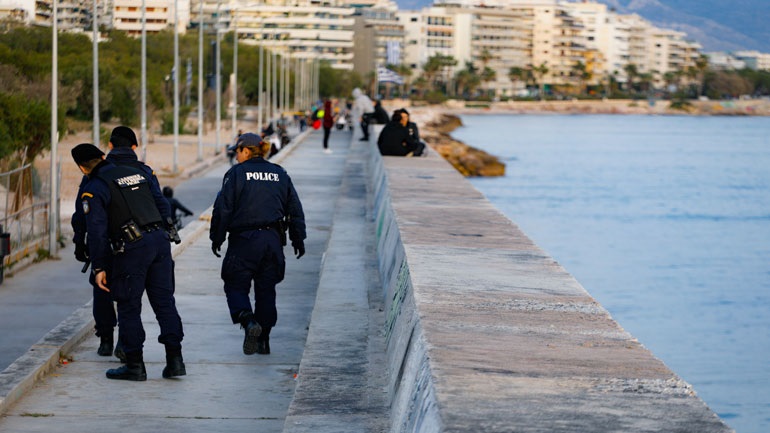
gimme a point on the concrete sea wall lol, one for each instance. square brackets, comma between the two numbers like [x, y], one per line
[487, 333]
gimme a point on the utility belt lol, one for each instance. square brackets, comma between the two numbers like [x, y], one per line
[131, 232]
[278, 226]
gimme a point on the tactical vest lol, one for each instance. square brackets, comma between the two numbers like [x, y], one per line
[130, 200]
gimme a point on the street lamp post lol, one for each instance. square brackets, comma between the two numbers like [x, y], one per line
[235, 74]
[218, 82]
[95, 28]
[200, 80]
[53, 214]
[143, 132]
[176, 85]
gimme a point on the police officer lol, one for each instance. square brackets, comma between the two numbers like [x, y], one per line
[257, 199]
[102, 307]
[123, 146]
[130, 251]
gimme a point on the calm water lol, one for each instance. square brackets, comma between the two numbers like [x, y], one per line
[666, 222]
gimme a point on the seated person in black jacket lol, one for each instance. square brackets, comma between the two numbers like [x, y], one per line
[396, 140]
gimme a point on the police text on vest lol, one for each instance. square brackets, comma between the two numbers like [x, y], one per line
[255, 175]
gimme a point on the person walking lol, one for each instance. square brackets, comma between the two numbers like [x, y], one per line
[130, 253]
[363, 109]
[328, 124]
[256, 204]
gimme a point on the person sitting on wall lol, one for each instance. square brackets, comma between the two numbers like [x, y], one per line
[396, 140]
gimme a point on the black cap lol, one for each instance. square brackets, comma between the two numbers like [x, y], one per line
[123, 136]
[249, 139]
[85, 152]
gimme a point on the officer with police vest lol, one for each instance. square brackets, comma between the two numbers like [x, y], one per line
[130, 252]
[122, 144]
[256, 204]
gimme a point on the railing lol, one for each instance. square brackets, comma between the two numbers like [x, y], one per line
[24, 215]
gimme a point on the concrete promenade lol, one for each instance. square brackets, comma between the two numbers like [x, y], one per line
[224, 390]
[418, 308]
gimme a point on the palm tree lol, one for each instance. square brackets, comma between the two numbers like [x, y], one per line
[538, 72]
[581, 74]
[516, 74]
[405, 72]
[435, 65]
[632, 72]
[488, 75]
[465, 80]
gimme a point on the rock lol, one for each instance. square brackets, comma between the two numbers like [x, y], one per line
[466, 159]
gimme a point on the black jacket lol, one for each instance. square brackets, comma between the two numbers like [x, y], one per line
[395, 140]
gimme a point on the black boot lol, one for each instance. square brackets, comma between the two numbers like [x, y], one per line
[105, 346]
[263, 342]
[133, 370]
[119, 353]
[174, 363]
[251, 330]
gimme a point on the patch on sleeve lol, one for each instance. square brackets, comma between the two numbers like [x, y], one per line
[86, 207]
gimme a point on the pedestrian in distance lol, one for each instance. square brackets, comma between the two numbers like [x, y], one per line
[363, 110]
[255, 206]
[380, 115]
[130, 253]
[328, 124]
[176, 207]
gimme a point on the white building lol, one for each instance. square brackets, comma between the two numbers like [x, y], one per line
[754, 59]
[303, 29]
[159, 15]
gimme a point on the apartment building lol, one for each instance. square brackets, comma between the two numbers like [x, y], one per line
[492, 37]
[159, 15]
[378, 38]
[754, 59]
[302, 29]
[20, 11]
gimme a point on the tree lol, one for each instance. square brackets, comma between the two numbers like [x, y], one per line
[516, 74]
[632, 72]
[405, 72]
[466, 79]
[436, 66]
[538, 73]
[581, 74]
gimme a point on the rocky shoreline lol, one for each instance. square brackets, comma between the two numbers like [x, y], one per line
[437, 122]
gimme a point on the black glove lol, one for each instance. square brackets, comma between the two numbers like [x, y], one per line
[81, 252]
[299, 248]
[215, 247]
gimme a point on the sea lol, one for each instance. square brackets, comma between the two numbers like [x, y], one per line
[665, 220]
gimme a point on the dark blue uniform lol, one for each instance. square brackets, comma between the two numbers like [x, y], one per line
[143, 263]
[126, 156]
[103, 308]
[256, 195]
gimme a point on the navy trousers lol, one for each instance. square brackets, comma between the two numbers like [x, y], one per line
[103, 309]
[145, 265]
[254, 256]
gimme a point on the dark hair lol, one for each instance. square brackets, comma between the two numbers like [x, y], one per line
[396, 116]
